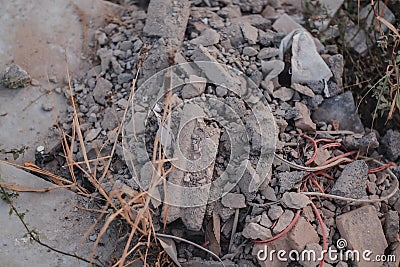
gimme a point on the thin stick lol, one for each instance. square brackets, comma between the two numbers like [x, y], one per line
[234, 227]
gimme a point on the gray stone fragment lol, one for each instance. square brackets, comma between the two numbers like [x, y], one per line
[357, 38]
[125, 78]
[47, 106]
[352, 182]
[92, 134]
[14, 77]
[167, 18]
[304, 122]
[53, 79]
[207, 37]
[284, 220]
[256, 231]
[234, 201]
[295, 200]
[274, 212]
[336, 64]
[367, 141]
[362, 230]
[245, 183]
[314, 102]
[122, 103]
[250, 33]
[256, 76]
[102, 38]
[307, 64]
[266, 38]
[340, 108]
[125, 45]
[249, 51]
[303, 89]
[333, 89]
[106, 56]
[265, 220]
[391, 144]
[195, 87]
[272, 68]
[102, 88]
[255, 20]
[221, 91]
[110, 121]
[234, 34]
[269, 193]
[286, 24]
[216, 73]
[190, 205]
[316, 86]
[292, 113]
[289, 180]
[392, 226]
[283, 93]
[268, 52]
[331, 8]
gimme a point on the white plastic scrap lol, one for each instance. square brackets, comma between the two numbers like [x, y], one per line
[307, 64]
[164, 132]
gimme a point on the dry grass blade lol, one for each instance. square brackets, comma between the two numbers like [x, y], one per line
[389, 25]
[75, 121]
[18, 188]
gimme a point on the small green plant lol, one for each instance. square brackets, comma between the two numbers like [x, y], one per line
[16, 152]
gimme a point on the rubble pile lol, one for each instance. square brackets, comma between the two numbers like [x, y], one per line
[301, 81]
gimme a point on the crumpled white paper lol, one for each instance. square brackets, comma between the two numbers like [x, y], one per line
[307, 64]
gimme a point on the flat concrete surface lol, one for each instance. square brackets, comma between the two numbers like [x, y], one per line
[38, 36]
[54, 215]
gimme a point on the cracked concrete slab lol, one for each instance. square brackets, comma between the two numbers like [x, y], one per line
[39, 36]
[53, 215]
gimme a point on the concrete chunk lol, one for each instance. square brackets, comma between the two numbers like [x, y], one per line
[167, 18]
[353, 180]
[303, 233]
[234, 201]
[193, 172]
[362, 230]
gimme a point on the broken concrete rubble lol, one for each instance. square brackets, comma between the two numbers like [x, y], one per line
[186, 205]
[352, 182]
[167, 19]
[289, 180]
[307, 64]
[208, 37]
[302, 234]
[251, 49]
[284, 220]
[256, 231]
[293, 200]
[391, 144]
[365, 218]
[233, 201]
[304, 121]
[345, 113]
